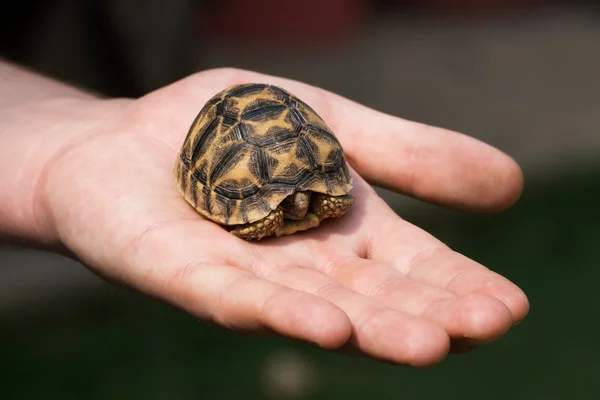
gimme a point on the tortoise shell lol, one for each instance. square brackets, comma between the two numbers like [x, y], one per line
[250, 147]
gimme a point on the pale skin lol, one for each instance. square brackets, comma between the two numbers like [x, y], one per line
[91, 178]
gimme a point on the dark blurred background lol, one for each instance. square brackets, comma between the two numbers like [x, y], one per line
[520, 75]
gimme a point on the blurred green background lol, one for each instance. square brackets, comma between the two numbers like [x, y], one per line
[522, 76]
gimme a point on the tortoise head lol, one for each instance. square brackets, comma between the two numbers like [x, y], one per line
[296, 205]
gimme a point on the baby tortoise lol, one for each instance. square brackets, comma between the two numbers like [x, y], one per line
[261, 162]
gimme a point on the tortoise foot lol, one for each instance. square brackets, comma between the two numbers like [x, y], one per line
[326, 206]
[261, 228]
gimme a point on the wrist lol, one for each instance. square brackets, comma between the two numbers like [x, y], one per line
[38, 123]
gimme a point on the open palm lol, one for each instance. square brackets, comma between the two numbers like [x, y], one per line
[369, 281]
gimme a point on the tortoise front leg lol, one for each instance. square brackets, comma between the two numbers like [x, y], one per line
[261, 228]
[326, 206]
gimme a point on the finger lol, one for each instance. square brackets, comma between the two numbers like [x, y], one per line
[378, 331]
[425, 259]
[430, 163]
[458, 274]
[473, 316]
[185, 273]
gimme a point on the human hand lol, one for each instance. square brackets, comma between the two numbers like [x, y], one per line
[370, 280]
